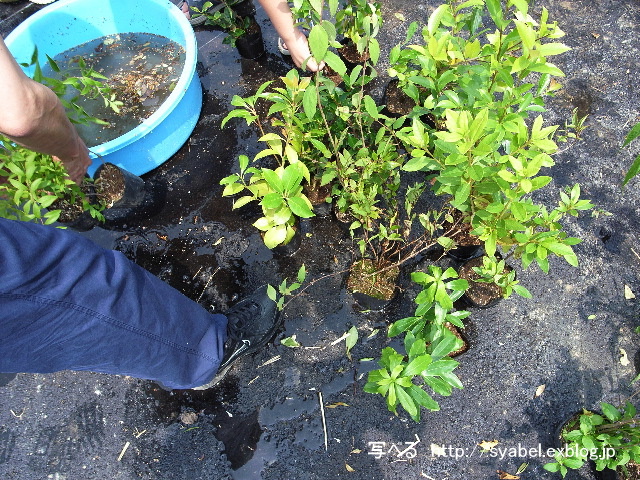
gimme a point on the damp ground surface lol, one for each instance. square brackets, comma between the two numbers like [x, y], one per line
[264, 420]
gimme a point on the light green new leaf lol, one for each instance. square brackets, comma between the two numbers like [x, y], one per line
[302, 274]
[351, 339]
[275, 236]
[271, 293]
[549, 49]
[436, 17]
[495, 10]
[527, 34]
[374, 50]
[290, 342]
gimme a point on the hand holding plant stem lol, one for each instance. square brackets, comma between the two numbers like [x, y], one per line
[33, 173]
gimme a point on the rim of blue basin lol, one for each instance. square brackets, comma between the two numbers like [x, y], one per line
[68, 23]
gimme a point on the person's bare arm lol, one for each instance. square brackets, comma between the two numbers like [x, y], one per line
[32, 116]
[282, 20]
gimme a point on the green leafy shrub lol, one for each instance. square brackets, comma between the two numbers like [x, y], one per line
[612, 440]
[428, 342]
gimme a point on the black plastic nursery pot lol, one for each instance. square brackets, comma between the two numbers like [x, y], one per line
[345, 219]
[118, 187]
[126, 195]
[479, 294]
[250, 45]
[396, 102]
[318, 196]
[244, 8]
[464, 253]
[372, 290]
[350, 55]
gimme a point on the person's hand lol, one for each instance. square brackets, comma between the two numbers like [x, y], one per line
[298, 47]
[77, 165]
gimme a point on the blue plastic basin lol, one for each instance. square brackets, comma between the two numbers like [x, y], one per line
[69, 23]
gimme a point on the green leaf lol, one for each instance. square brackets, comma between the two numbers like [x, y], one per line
[441, 367]
[271, 293]
[633, 171]
[290, 342]
[302, 274]
[371, 107]
[423, 398]
[336, 63]
[272, 201]
[310, 101]
[319, 43]
[495, 10]
[242, 201]
[444, 347]
[300, 208]
[374, 50]
[632, 135]
[611, 412]
[406, 401]
[291, 178]
[273, 180]
[553, 49]
[416, 164]
[436, 17]
[417, 365]
[527, 34]
[275, 236]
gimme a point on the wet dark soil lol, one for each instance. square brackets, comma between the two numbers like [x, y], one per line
[349, 52]
[633, 472]
[397, 102]
[109, 183]
[266, 420]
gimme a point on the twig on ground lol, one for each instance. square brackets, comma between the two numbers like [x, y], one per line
[124, 449]
[324, 421]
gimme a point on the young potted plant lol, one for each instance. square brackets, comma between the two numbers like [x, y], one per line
[429, 343]
[489, 155]
[358, 22]
[33, 187]
[610, 439]
[243, 32]
[490, 280]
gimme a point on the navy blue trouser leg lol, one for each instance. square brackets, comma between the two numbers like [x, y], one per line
[68, 304]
